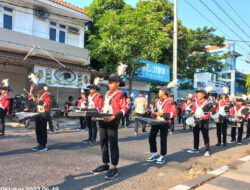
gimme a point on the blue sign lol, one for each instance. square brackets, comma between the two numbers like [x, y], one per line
[153, 72]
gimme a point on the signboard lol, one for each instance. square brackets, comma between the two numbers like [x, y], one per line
[62, 77]
[153, 72]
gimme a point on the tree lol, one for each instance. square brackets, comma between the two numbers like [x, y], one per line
[248, 83]
[120, 33]
[128, 35]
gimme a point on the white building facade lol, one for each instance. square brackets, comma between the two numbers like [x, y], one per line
[45, 37]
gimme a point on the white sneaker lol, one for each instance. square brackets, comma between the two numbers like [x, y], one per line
[161, 160]
[193, 151]
[136, 133]
[207, 154]
[153, 158]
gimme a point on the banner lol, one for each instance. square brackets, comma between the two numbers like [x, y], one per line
[62, 77]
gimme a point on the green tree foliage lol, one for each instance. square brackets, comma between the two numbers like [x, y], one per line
[122, 33]
[248, 83]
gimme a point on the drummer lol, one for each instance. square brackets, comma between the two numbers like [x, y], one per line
[165, 110]
[4, 104]
[186, 111]
[238, 111]
[221, 122]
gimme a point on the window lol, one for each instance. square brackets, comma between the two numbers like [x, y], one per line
[52, 34]
[57, 32]
[7, 18]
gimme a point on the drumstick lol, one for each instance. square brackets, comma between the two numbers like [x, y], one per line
[28, 92]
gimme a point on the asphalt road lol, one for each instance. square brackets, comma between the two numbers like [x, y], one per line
[68, 162]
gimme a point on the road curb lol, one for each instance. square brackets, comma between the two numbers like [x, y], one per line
[196, 182]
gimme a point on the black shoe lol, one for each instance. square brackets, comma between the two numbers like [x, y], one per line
[100, 169]
[239, 143]
[93, 142]
[86, 141]
[246, 138]
[42, 148]
[35, 148]
[224, 146]
[218, 144]
[111, 174]
[232, 141]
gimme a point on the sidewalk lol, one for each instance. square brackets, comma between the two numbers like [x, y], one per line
[235, 178]
[232, 176]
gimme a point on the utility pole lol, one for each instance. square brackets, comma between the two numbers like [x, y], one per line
[175, 48]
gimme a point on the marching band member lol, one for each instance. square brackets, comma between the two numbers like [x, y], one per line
[165, 110]
[221, 110]
[115, 104]
[4, 104]
[186, 111]
[43, 100]
[239, 111]
[82, 104]
[127, 116]
[248, 120]
[95, 101]
[201, 110]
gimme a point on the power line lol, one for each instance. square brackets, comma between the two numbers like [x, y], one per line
[212, 23]
[237, 13]
[236, 40]
[223, 10]
[222, 21]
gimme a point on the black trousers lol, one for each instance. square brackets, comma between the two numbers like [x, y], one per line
[203, 127]
[41, 130]
[126, 118]
[172, 125]
[248, 128]
[240, 132]
[2, 123]
[109, 140]
[143, 124]
[92, 128]
[163, 135]
[49, 118]
[82, 122]
[222, 127]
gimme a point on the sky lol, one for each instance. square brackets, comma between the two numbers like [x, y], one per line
[192, 19]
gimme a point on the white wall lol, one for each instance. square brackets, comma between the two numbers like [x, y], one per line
[24, 21]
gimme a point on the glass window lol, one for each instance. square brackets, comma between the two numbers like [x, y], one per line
[62, 26]
[8, 9]
[52, 34]
[52, 23]
[7, 22]
[62, 35]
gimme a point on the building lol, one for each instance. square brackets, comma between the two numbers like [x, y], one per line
[45, 37]
[229, 76]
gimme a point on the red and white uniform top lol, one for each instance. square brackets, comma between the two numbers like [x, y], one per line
[197, 109]
[167, 107]
[115, 103]
[46, 99]
[95, 101]
[82, 103]
[220, 108]
[4, 101]
[236, 111]
[186, 106]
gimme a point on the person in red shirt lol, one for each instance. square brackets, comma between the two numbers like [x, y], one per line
[201, 110]
[67, 105]
[238, 111]
[166, 110]
[186, 111]
[4, 104]
[221, 124]
[82, 103]
[115, 103]
[248, 121]
[95, 101]
[43, 100]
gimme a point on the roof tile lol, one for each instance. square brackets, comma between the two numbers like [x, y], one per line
[68, 5]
